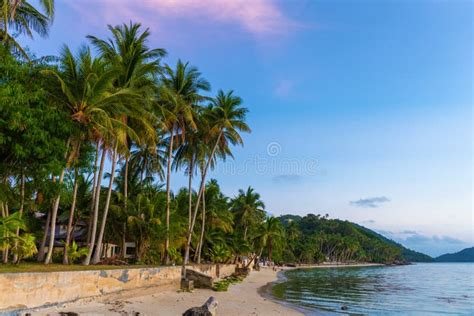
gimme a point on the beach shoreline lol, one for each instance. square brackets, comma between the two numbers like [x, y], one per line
[251, 297]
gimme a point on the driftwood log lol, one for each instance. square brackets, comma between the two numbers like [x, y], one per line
[208, 309]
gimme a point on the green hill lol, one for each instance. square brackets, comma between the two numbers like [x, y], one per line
[465, 255]
[319, 238]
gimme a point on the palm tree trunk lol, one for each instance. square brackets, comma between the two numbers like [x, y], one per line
[190, 191]
[125, 184]
[201, 189]
[71, 217]
[96, 208]
[168, 198]
[203, 225]
[94, 180]
[98, 248]
[54, 214]
[142, 172]
[125, 204]
[22, 205]
[270, 249]
[43, 241]
[5, 250]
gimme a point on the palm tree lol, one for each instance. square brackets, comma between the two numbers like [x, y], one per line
[191, 153]
[272, 233]
[86, 91]
[80, 200]
[217, 219]
[137, 67]
[24, 19]
[180, 94]
[249, 208]
[226, 119]
[147, 161]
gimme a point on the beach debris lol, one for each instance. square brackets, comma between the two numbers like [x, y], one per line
[208, 309]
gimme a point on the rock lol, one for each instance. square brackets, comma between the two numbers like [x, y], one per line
[344, 307]
[208, 309]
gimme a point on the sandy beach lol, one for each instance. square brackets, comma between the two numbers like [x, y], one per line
[240, 299]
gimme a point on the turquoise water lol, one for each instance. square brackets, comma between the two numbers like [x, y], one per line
[418, 289]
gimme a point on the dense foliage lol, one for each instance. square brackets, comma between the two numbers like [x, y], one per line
[116, 101]
[315, 238]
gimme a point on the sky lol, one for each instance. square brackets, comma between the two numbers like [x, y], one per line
[359, 109]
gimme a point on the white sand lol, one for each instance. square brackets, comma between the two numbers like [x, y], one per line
[241, 299]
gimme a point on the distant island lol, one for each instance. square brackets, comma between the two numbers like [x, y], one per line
[465, 255]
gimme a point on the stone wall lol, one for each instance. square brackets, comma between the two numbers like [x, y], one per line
[224, 270]
[19, 291]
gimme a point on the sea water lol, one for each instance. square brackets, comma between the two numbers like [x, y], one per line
[417, 289]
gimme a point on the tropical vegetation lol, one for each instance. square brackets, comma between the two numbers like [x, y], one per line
[96, 135]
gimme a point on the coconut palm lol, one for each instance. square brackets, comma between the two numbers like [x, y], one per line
[180, 94]
[272, 233]
[80, 201]
[23, 18]
[217, 219]
[226, 118]
[249, 208]
[191, 153]
[137, 67]
[147, 161]
[86, 91]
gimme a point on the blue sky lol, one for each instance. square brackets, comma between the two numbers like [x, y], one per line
[359, 109]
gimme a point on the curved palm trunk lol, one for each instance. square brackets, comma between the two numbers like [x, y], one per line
[201, 190]
[203, 225]
[22, 205]
[71, 218]
[96, 208]
[98, 248]
[168, 198]
[94, 180]
[54, 215]
[190, 191]
[41, 253]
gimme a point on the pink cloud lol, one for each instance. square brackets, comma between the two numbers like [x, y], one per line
[258, 17]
